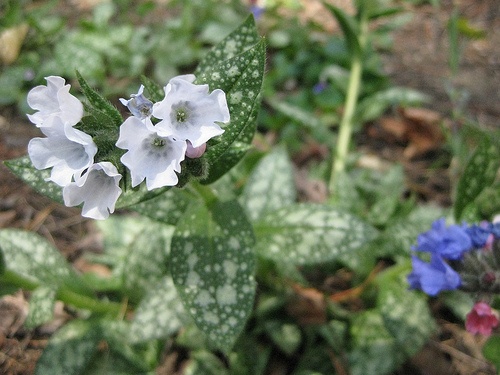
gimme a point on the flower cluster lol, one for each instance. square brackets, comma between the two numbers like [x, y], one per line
[465, 257]
[184, 121]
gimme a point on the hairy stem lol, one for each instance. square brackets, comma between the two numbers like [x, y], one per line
[64, 294]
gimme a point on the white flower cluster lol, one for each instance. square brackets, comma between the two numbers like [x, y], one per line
[187, 115]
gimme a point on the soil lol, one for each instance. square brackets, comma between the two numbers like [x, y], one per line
[419, 60]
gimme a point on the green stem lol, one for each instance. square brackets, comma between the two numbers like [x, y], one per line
[346, 123]
[64, 294]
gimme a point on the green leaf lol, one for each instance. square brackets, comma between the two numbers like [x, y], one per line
[383, 11]
[266, 192]
[31, 256]
[24, 169]
[159, 313]
[122, 351]
[386, 204]
[241, 39]
[405, 314]
[249, 356]
[491, 350]
[147, 260]
[69, 350]
[285, 336]
[349, 27]
[118, 233]
[104, 133]
[131, 196]
[236, 66]
[373, 106]
[374, 350]
[205, 363]
[479, 173]
[155, 91]
[310, 234]
[295, 112]
[398, 238]
[2, 262]
[73, 53]
[166, 208]
[99, 103]
[41, 308]
[212, 265]
[315, 360]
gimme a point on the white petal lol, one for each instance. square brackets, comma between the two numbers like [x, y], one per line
[201, 110]
[150, 156]
[67, 150]
[54, 99]
[97, 189]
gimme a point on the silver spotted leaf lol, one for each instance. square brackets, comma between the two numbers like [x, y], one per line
[266, 191]
[70, 350]
[31, 256]
[405, 314]
[310, 234]
[24, 169]
[159, 314]
[41, 309]
[236, 66]
[212, 265]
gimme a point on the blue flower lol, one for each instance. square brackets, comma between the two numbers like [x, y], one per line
[319, 87]
[257, 11]
[495, 230]
[433, 277]
[449, 242]
[140, 106]
[479, 234]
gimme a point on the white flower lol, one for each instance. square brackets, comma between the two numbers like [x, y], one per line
[97, 189]
[189, 112]
[54, 99]
[150, 156]
[138, 104]
[67, 150]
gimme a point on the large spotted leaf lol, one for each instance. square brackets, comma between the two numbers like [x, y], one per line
[159, 314]
[41, 309]
[241, 39]
[266, 192]
[32, 257]
[310, 234]
[212, 265]
[24, 169]
[406, 315]
[479, 173]
[236, 66]
[70, 349]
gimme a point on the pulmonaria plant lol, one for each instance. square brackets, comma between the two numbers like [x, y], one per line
[187, 118]
[465, 257]
[191, 258]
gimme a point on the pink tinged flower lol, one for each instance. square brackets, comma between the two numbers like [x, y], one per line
[481, 319]
[150, 156]
[138, 104]
[54, 100]
[189, 112]
[97, 189]
[67, 150]
[195, 152]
